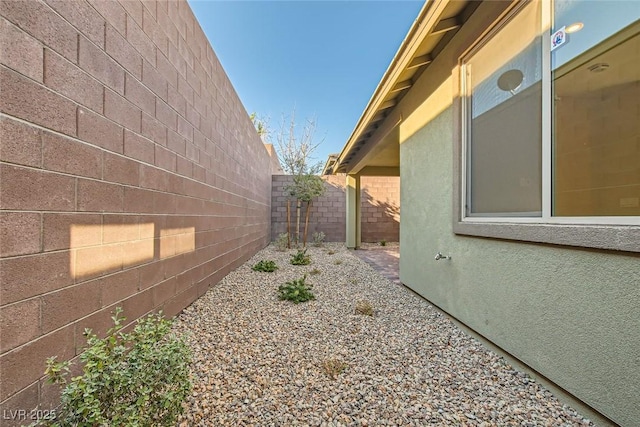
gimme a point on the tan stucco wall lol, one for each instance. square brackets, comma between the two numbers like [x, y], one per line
[571, 314]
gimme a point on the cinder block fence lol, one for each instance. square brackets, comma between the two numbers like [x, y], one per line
[130, 175]
[380, 208]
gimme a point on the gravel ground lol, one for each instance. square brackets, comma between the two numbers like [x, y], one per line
[259, 360]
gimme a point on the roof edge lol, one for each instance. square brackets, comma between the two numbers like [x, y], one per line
[424, 23]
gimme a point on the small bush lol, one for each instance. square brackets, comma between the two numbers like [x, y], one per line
[139, 378]
[383, 242]
[333, 367]
[266, 266]
[315, 271]
[296, 291]
[301, 258]
[331, 252]
[364, 308]
[338, 262]
[282, 242]
[318, 238]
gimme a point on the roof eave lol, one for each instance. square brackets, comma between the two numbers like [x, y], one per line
[425, 23]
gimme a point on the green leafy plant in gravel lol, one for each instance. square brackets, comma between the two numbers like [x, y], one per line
[266, 266]
[138, 378]
[296, 291]
[383, 242]
[301, 258]
[315, 271]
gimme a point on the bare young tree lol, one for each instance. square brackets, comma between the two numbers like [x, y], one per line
[295, 149]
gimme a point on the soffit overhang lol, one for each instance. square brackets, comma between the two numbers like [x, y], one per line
[372, 142]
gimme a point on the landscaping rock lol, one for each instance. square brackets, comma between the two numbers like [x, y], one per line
[259, 360]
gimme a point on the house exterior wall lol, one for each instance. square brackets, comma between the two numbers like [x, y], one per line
[380, 209]
[130, 174]
[569, 313]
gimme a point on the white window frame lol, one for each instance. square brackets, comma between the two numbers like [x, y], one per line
[519, 218]
[605, 233]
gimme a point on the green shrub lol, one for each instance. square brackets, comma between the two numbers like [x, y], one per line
[318, 238]
[383, 242]
[315, 271]
[282, 242]
[266, 266]
[296, 291]
[301, 258]
[138, 378]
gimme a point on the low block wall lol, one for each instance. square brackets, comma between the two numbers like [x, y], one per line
[380, 209]
[130, 174]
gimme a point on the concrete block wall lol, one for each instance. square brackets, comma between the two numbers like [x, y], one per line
[380, 198]
[327, 212]
[130, 175]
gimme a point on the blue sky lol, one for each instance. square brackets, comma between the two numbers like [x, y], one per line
[323, 57]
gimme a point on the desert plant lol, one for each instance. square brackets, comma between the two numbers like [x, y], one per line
[331, 252]
[314, 272]
[333, 367]
[338, 262]
[383, 242]
[364, 308]
[282, 242]
[295, 146]
[296, 291]
[266, 266]
[138, 378]
[301, 258]
[318, 238]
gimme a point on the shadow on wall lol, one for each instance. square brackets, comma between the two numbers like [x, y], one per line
[380, 209]
[327, 212]
[380, 219]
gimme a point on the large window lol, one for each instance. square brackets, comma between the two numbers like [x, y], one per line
[504, 82]
[596, 110]
[551, 116]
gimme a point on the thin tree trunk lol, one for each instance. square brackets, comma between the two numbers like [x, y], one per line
[298, 207]
[288, 224]
[306, 223]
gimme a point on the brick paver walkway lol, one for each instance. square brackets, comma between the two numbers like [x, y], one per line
[385, 259]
